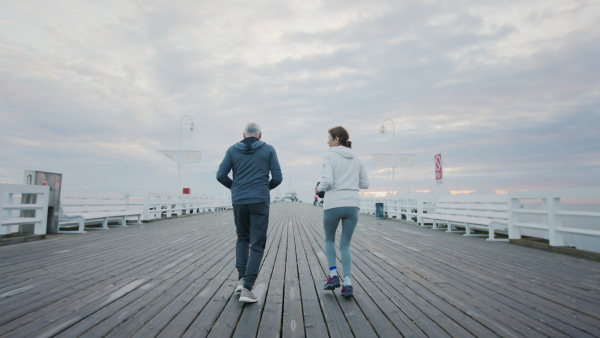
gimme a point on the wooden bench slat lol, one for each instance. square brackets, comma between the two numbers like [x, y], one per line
[80, 210]
[482, 212]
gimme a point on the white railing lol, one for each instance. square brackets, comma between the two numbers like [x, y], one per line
[159, 205]
[569, 217]
[407, 207]
[367, 205]
[152, 206]
[485, 212]
[17, 214]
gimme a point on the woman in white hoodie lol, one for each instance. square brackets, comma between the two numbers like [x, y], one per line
[343, 175]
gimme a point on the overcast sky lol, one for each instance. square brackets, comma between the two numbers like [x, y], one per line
[507, 91]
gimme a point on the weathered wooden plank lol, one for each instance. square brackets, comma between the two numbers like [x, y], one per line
[196, 286]
[337, 324]
[144, 320]
[424, 279]
[207, 317]
[116, 305]
[392, 311]
[176, 277]
[292, 321]
[87, 250]
[270, 320]
[515, 308]
[421, 278]
[209, 288]
[23, 320]
[118, 274]
[493, 273]
[51, 291]
[314, 322]
[416, 296]
[359, 310]
[509, 291]
[95, 315]
[121, 316]
[251, 317]
[164, 271]
[54, 323]
[9, 286]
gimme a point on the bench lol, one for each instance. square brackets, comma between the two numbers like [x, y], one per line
[485, 212]
[78, 210]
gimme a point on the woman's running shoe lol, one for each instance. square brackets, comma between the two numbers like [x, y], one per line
[332, 283]
[347, 291]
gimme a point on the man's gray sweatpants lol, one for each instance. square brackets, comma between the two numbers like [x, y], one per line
[251, 222]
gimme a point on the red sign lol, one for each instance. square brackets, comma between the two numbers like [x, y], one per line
[187, 191]
[438, 166]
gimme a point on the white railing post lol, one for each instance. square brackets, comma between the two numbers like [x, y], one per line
[42, 199]
[4, 213]
[420, 203]
[397, 206]
[513, 218]
[147, 208]
[11, 207]
[555, 238]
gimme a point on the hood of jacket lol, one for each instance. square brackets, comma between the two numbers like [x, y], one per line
[343, 151]
[249, 145]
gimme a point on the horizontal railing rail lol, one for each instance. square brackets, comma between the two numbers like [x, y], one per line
[158, 205]
[408, 207]
[565, 217]
[152, 206]
[21, 216]
[568, 217]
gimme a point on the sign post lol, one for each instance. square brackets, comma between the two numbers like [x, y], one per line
[438, 171]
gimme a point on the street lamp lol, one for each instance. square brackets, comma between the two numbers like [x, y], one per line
[191, 128]
[383, 130]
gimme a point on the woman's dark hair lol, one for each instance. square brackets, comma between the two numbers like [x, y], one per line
[342, 135]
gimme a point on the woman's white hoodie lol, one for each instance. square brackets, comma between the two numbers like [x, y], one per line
[343, 174]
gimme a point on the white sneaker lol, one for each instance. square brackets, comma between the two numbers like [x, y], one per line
[240, 285]
[248, 297]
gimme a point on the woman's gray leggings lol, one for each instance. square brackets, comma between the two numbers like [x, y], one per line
[331, 220]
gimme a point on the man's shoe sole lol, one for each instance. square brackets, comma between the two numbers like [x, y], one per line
[248, 300]
[248, 297]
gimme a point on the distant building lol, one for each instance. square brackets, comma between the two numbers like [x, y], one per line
[290, 196]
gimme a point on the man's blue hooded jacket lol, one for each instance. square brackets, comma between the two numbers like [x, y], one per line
[251, 161]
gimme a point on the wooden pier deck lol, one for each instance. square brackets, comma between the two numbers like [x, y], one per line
[175, 278]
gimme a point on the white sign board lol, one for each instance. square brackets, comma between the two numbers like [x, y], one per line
[187, 157]
[394, 160]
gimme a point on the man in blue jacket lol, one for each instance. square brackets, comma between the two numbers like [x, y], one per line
[251, 160]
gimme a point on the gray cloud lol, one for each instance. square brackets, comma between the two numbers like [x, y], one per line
[508, 93]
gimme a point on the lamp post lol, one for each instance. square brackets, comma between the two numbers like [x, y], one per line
[191, 127]
[383, 130]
